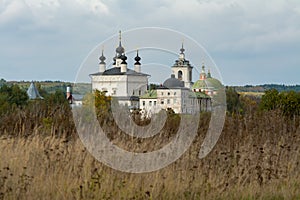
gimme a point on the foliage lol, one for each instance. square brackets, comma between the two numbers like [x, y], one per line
[287, 102]
[57, 98]
[153, 86]
[256, 157]
[233, 101]
[265, 87]
[11, 97]
[102, 105]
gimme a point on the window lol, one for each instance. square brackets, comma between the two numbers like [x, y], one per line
[162, 93]
[144, 103]
[168, 101]
[150, 103]
[114, 91]
[139, 92]
[180, 75]
[154, 103]
[174, 93]
[168, 93]
[162, 101]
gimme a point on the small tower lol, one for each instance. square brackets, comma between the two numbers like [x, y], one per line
[102, 64]
[33, 92]
[203, 74]
[183, 69]
[137, 64]
[69, 95]
[123, 63]
[208, 74]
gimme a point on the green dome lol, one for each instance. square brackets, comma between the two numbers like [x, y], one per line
[207, 83]
[212, 82]
[199, 84]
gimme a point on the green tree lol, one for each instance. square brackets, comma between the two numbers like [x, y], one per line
[102, 105]
[289, 103]
[57, 98]
[11, 97]
[270, 100]
[234, 104]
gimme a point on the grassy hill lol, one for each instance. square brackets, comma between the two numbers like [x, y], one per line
[264, 87]
[52, 86]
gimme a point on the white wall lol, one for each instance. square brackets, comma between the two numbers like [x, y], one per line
[120, 85]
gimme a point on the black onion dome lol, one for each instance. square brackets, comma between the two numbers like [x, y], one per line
[182, 49]
[120, 49]
[114, 59]
[123, 58]
[137, 58]
[102, 58]
[173, 82]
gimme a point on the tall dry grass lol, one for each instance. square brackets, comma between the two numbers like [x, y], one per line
[256, 157]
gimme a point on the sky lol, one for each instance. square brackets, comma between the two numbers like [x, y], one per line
[250, 41]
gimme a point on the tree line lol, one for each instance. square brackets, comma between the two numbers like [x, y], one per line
[286, 102]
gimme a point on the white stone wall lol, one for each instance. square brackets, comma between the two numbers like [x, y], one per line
[114, 85]
[120, 85]
[170, 98]
[137, 85]
[177, 99]
[149, 106]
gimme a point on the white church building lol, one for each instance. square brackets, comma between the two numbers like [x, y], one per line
[121, 82]
[129, 86]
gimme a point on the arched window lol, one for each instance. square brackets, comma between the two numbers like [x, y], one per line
[180, 75]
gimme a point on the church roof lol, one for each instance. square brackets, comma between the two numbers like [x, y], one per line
[33, 93]
[207, 83]
[117, 71]
[152, 94]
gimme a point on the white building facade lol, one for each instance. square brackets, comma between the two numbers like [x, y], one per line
[120, 82]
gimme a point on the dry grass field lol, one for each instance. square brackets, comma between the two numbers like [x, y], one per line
[256, 157]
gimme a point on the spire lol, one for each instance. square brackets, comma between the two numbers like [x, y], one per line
[181, 55]
[120, 50]
[102, 58]
[137, 64]
[102, 64]
[182, 49]
[137, 58]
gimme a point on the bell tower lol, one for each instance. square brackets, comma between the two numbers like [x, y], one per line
[183, 69]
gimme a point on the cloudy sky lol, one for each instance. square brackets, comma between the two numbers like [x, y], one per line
[251, 41]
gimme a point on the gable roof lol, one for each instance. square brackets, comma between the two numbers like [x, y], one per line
[117, 71]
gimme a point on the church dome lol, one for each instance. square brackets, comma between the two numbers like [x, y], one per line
[120, 50]
[213, 82]
[199, 84]
[173, 82]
